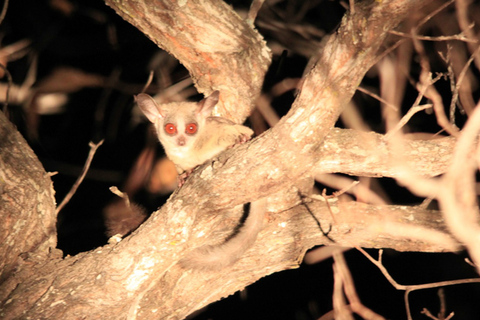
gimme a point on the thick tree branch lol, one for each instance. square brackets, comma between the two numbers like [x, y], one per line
[220, 50]
[27, 203]
[368, 154]
[289, 151]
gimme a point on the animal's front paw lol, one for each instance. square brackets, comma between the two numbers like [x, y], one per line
[183, 177]
[242, 138]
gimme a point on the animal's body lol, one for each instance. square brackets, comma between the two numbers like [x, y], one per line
[190, 136]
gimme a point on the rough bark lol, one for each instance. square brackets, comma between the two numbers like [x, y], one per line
[367, 154]
[27, 203]
[139, 276]
[220, 50]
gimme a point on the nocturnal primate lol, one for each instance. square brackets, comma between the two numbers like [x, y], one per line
[191, 136]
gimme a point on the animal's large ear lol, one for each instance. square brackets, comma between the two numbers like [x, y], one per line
[148, 106]
[206, 105]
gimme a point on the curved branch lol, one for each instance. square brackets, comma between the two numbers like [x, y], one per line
[27, 203]
[220, 50]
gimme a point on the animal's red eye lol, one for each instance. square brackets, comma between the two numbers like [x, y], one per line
[191, 128]
[170, 128]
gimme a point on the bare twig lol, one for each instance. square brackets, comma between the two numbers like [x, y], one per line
[406, 118]
[388, 50]
[426, 312]
[430, 92]
[121, 194]
[460, 79]
[434, 13]
[409, 288]
[352, 118]
[329, 207]
[388, 86]
[15, 50]
[4, 11]
[149, 81]
[264, 102]
[174, 92]
[7, 92]
[352, 6]
[254, 8]
[93, 149]
[426, 76]
[376, 96]
[451, 78]
[322, 253]
[459, 37]
[463, 21]
[443, 303]
[349, 288]
[264, 106]
[340, 307]
[351, 186]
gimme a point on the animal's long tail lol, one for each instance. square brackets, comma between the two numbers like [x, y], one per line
[215, 257]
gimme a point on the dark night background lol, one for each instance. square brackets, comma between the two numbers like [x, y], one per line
[94, 39]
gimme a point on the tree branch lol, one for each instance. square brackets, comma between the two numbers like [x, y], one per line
[27, 202]
[368, 154]
[220, 50]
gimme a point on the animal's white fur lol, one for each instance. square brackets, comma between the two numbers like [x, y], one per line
[214, 135]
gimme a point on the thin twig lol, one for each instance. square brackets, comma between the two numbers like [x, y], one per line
[431, 92]
[376, 96]
[340, 307]
[409, 288]
[352, 7]
[426, 312]
[168, 94]
[459, 37]
[7, 92]
[406, 118]
[149, 81]
[451, 77]
[338, 193]
[349, 288]
[123, 195]
[325, 233]
[254, 8]
[15, 50]
[462, 17]
[443, 303]
[324, 195]
[4, 11]
[93, 149]
[422, 88]
[461, 77]
[434, 13]
[264, 102]
[388, 50]
[425, 76]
